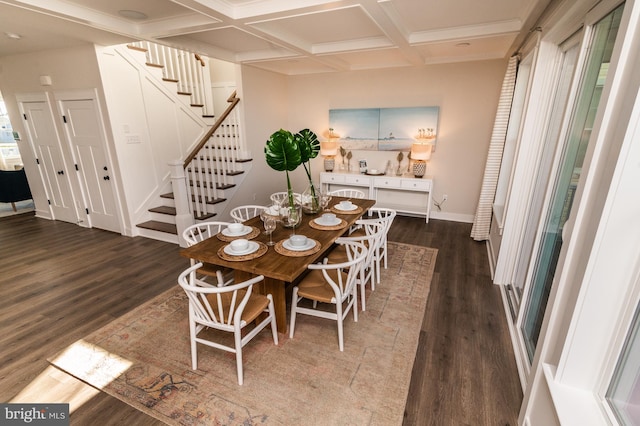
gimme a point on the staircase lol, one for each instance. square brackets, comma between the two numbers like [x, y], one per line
[209, 175]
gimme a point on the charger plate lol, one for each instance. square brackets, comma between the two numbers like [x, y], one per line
[354, 211]
[254, 233]
[262, 249]
[315, 225]
[286, 252]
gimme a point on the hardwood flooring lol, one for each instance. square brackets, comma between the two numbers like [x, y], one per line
[59, 282]
[465, 371]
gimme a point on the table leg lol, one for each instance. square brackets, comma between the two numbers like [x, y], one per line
[277, 290]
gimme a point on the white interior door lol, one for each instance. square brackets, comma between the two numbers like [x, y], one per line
[53, 168]
[85, 133]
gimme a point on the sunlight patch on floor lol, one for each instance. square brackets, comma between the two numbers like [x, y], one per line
[55, 385]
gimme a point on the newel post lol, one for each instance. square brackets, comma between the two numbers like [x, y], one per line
[184, 215]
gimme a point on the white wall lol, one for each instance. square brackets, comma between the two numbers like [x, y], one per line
[69, 69]
[467, 94]
[150, 128]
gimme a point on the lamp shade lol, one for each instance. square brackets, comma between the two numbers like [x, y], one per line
[328, 148]
[420, 151]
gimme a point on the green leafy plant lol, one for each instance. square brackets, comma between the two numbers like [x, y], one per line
[283, 154]
[309, 147]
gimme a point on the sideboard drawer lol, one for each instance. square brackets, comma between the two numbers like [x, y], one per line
[416, 184]
[358, 180]
[386, 182]
[331, 178]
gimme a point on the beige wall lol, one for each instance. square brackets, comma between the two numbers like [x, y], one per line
[69, 69]
[467, 94]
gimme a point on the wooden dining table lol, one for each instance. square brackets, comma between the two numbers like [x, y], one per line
[279, 270]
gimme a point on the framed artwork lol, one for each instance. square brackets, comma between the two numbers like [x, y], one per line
[384, 129]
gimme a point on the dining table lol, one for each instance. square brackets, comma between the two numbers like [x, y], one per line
[280, 264]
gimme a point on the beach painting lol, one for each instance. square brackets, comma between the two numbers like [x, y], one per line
[384, 129]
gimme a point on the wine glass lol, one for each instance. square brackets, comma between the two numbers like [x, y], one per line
[269, 227]
[292, 218]
[325, 198]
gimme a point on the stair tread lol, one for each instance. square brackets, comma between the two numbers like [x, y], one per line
[155, 225]
[169, 195]
[164, 210]
[217, 172]
[205, 216]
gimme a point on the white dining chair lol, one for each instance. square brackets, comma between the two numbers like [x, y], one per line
[228, 309]
[279, 197]
[333, 284]
[199, 232]
[386, 217]
[244, 213]
[348, 192]
[371, 237]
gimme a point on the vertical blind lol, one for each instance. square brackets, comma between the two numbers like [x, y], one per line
[482, 220]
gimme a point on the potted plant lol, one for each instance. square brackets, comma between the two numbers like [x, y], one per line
[309, 147]
[282, 154]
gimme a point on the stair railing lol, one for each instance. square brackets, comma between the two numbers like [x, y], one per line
[188, 70]
[209, 166]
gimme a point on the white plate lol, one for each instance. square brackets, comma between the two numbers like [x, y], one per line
[310, 244]
[253, 246]
[227, 232]
[334, 222]
[353, 207]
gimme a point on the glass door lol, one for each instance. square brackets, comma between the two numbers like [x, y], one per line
[567, 68]
[567, 177]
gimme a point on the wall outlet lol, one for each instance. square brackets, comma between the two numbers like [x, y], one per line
[445, 197]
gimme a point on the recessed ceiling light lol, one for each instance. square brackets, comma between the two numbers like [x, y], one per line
[14, 36]
[132, 14]
[463, 44]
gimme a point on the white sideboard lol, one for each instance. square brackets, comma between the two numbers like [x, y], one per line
[376, 185]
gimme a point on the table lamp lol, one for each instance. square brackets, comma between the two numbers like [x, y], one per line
[329, 149]
[420, 153]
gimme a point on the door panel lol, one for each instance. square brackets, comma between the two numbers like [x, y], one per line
[566, 180]
[53, 169]
[85, 134]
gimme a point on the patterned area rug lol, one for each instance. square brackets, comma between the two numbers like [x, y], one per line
[143, 358]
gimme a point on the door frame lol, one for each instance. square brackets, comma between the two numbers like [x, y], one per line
[91, 95]
[44, 97]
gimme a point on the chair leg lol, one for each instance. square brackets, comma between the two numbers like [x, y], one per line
[362, 284]
[238, 342]
[340, 328]
[294, 305]
[194, 345]
[272, 313]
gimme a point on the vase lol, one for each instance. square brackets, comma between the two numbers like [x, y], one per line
[310, 199]
[285, 213]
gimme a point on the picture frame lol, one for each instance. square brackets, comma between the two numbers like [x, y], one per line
[363, 166]
[384, 129]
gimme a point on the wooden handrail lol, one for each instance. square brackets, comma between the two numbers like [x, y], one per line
[234, 101]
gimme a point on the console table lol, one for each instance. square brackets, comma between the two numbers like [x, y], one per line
[374, 184]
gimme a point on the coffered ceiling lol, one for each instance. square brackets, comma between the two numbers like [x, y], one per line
[284, 36]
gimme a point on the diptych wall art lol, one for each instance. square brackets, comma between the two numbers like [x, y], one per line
[384, 129]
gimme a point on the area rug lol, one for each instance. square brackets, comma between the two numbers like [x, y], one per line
[143, 358]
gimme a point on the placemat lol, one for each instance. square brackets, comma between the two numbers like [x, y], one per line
[262, 249]
[286, 252]
[315, 225]
[354, 211]
[254, 233]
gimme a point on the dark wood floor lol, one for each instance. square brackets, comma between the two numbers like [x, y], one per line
[59, 282]
[465, 371]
